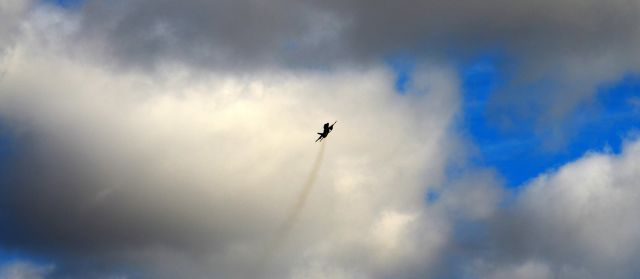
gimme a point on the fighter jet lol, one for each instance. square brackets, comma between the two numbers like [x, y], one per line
[326, 131]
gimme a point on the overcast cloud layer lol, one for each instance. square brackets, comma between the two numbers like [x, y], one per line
[186, 166]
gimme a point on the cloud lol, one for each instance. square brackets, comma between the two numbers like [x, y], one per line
[185, 174]
[588, 206]
[24, 270]
[254, 30]
[527, 270]
[12, 12]
[557, 52]
[574, 222]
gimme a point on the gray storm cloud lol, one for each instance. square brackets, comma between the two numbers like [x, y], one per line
[143, 30]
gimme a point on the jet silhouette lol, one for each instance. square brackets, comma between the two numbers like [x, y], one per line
[326, 131]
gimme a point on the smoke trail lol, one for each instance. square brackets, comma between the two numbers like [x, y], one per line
[293, 214]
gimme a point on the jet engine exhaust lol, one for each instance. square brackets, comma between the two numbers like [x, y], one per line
[293, 214]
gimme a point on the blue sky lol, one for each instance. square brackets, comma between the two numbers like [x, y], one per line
[519, 152]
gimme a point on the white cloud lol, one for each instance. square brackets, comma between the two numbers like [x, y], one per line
[12, 13]
[585, 212]
[578, 221]
[189, 174]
